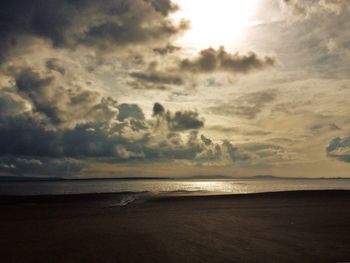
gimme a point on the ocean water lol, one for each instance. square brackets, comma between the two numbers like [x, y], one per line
[171, 186]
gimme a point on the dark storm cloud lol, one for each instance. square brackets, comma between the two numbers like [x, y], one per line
[211, 60]
[45, 120]
[110, 34]
[58, 105]
[44, 123]
[52, 124]
[247, 106]
[339, 148]
[38, 137]
[45, 166]
[24, 138]
[158, 109]
[180, 120]
[163, 6]
[200, 149]
[42, 114]
[181, 71]
[67, 23]
[184, 120]
[23, 135]
[93, 142]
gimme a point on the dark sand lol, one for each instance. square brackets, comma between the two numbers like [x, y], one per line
[308, 226]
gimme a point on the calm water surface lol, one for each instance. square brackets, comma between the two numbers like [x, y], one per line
[170, 186]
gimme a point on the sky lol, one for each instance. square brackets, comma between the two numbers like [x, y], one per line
[174, 88]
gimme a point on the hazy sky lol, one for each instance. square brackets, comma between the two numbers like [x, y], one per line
[184, 87]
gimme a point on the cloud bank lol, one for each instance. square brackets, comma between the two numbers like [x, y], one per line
[211, 60]
[339, 148]
[70, 24]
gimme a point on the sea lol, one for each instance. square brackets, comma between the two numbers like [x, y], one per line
[169, 186]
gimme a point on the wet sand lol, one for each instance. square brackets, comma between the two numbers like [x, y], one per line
[305, 226]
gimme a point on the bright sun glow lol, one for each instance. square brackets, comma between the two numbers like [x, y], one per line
[215, 22]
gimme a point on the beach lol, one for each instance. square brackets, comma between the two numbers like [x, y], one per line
[296, 226]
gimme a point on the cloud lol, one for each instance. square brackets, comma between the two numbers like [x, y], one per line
[158, 78]
[179, 71]
[323, 128]
[211, 60]
[158, 109]
[126, 154]
[45, 124]
[239, 130]
[247, 106]
[267, 153]
[132, 111]
[164, 6]
[315, 7]
[234, 153]
[56, 65]
[180, 120]
[339, 148]
[168, 49]
[68, 24]
[45, 167]
[48, 125]
[143, 85]
[21, 136]
[11, 104]
[58, 105]
[155, 78]
[59, 74]
[184, 120]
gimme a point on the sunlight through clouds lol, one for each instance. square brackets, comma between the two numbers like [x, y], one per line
[215, 23]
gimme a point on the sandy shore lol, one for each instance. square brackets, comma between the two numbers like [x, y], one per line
[307, 226]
